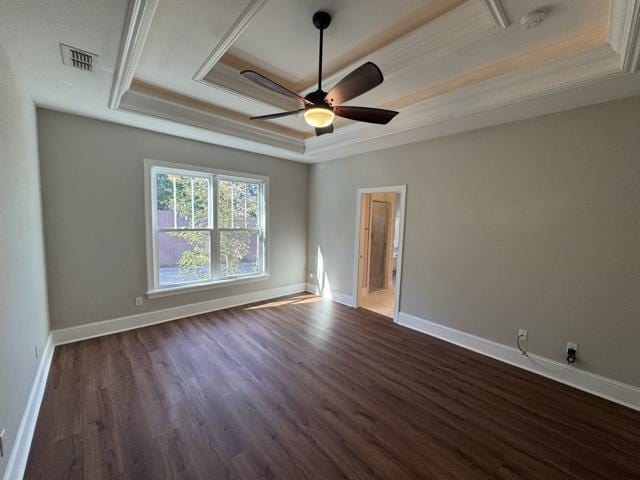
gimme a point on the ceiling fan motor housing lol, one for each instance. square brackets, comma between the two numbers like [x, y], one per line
[318, 98]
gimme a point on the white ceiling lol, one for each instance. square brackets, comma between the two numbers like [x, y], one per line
[449, 65]
[31, 33]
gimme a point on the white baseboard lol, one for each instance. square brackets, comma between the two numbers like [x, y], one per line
[311, 288]
[107, 327]
[20, 452]
[334, 295]
[618, 392]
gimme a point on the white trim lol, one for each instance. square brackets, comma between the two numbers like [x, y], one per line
[497, 13]
[107, 327]
[343, 298]
[213, 118]
[624, 33]
[22, 444]
[627, 395]
[199, 168]
[151, 250]
[402, 190]
[165, 292]
[631, 58]
[137, 25]
[229, 38]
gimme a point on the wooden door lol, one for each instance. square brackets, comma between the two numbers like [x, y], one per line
[380, 212]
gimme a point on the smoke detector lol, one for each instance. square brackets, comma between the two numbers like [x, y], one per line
[533, 19]
[77, 58]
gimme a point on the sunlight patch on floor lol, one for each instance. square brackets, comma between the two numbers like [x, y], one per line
[287, 301]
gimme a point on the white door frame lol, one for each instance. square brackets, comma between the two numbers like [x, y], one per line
[402, 190]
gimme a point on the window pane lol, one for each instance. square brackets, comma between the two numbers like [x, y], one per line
[238, 205]
[239, 253]
[183, 257]
[201, 202]
[182, 201]
[252, 209]
[164, 201]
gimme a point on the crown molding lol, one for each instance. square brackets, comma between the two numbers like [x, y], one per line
[591, 65]
[624, 33]
[137, 24]
[229, 38]
[497, 12]
[168, 106]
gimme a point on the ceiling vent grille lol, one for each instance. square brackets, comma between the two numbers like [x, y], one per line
[80, 59]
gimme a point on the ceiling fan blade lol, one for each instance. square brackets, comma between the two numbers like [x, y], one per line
[273, 86]
[323, 130]
[365, 114]
[360, 81]
[276, 115]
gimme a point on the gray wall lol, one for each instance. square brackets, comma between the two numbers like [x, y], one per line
[534, 224]
[93, 198]
[23, 294]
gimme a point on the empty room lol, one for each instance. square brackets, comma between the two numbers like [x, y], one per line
[320, 239]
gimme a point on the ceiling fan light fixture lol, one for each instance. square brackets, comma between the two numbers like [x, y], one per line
[319, 117]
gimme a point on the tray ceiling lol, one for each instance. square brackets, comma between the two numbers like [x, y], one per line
[449, 65]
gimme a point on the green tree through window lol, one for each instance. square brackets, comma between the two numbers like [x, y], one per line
[184, 218]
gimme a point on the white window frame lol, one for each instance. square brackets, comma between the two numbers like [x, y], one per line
[153, 285]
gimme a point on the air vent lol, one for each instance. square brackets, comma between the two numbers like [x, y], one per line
[80, 59]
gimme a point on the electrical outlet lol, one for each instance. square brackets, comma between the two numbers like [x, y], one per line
[2, 442]
[523, 334]
[572, 352]
[138, 301]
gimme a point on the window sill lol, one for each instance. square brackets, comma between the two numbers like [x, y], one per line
[164, 292]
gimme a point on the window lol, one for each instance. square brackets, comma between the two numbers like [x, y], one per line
[206, 227]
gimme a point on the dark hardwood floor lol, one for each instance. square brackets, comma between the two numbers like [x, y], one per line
[302, 388]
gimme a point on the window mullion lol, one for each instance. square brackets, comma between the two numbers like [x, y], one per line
[193, 206]
[231, 206]
[175, 204]
[214, 232]
[262, 226]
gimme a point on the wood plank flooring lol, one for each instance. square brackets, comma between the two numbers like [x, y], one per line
[303, 388]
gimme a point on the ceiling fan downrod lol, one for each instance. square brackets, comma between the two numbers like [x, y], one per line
[321, 20]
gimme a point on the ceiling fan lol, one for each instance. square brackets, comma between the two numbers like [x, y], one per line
[320, 107]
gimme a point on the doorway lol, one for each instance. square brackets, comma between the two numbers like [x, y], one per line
[378, 262]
